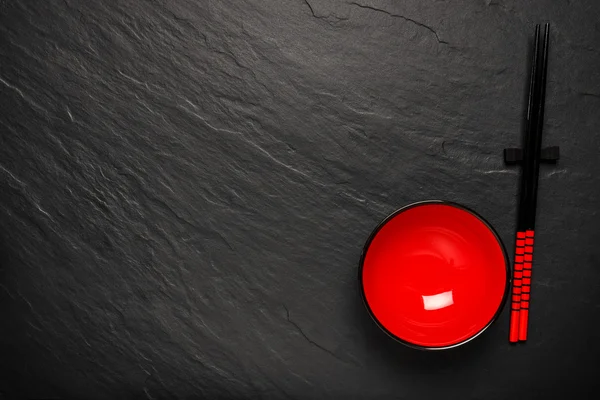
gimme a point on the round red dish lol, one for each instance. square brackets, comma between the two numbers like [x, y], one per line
[434, 275]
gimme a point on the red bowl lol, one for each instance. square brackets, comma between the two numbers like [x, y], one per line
[434, 275]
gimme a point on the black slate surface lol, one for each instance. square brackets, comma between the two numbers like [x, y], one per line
[186, 186]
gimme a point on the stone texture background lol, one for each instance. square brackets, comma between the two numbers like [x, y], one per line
[186, 186]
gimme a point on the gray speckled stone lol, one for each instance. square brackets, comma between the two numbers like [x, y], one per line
[186, 186]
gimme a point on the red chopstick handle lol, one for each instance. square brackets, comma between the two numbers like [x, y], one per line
[526, 285]
[515, 309]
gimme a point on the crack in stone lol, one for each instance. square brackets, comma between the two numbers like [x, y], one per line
[401, 17]
[588, 94]
[311, 9]
[309, 340]
[327, 17]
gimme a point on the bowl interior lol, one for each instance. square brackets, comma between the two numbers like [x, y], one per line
[434, 275]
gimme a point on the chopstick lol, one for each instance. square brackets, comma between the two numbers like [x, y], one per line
[520, 242]
[529, 158]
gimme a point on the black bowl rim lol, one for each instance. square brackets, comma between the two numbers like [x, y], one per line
[390, 217]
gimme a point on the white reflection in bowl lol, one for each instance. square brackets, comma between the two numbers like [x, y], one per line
[438, 301]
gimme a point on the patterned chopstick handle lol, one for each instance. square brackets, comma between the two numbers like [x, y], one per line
[526, 285]
[517, 288]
